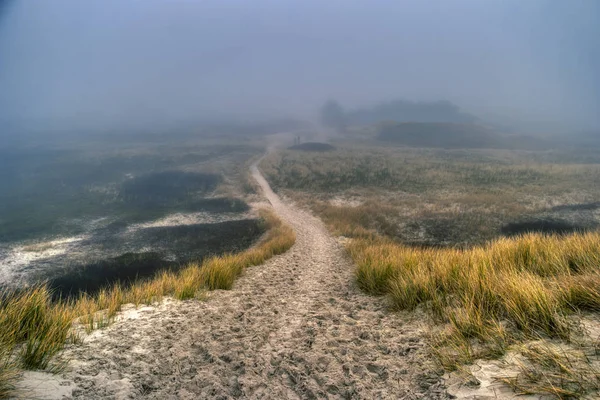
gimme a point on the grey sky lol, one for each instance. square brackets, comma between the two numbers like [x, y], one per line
[117, 60]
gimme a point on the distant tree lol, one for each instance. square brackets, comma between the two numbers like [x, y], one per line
[333, 116]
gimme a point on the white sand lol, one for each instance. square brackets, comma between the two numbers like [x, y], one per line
[179, 219]
[15, 258]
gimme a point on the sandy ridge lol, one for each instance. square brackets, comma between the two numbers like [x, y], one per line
[295, 327]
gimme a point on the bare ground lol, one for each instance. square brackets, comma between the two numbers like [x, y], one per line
[295, 327]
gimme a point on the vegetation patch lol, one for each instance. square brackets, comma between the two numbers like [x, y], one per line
[438, 134]
[166, 187]
[542, 226]
[434, 197]
[564, 372]
[49, 192]
[473, 239]
[194, 242]
[488, 298]
[313, 146]
[34, 327]
[90, 278]
[455, 136]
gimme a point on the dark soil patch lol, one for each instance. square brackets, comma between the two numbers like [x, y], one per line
[313, 146]
[187, 243]
[550, 226]
[190, 242]
[92, 277]
[577, 207]
[440, 231]
[167, 187]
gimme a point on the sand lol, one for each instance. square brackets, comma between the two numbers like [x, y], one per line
[294, 327]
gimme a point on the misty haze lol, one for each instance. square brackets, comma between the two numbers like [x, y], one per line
[299, 199]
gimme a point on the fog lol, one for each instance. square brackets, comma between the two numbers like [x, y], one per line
[114, 63]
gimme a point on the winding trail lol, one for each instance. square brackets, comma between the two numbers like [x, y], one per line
[294, 328]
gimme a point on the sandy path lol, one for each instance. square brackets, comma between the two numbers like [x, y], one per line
[295, 327]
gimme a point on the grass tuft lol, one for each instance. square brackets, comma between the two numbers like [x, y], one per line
[548, 368]
[510, 289]
[8, 367]
[33, 328]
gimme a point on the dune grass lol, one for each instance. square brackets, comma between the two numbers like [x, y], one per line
[551, 369]
[33, 328]
[489, 297]
[425, 228]
[519, 295]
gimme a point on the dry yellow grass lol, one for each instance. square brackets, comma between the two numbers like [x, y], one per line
[33, 328]
[490, 299]
[506, 291]
[554, 369]
[486, 294]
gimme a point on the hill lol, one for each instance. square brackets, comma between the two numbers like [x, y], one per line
[438, 134]
[408, 111]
